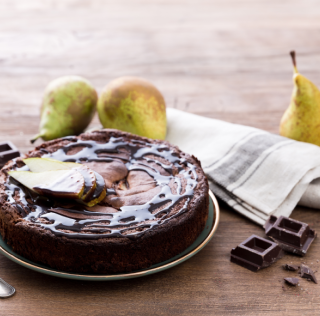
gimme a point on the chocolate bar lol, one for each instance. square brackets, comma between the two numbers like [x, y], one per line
[8, 151]
[291, 235]
[292, 281]
[256, 253]
[307, 273]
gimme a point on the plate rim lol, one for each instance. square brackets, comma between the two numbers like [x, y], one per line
[110, 277]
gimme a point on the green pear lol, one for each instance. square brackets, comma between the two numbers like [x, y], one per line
[133, 105]
[67, 184]
[68, 107]
[301, 121]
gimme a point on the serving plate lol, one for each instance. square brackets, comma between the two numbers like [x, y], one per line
[200, 242]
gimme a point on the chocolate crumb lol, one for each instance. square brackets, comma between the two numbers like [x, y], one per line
[292, 281]
[307, 273]
[291, 267]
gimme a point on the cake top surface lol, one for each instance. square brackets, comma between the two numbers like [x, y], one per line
[149, 183]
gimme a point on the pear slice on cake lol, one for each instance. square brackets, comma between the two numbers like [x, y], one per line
[64, 184]
[90, 183]
[94, 189]
[48, 164]
[99, 193]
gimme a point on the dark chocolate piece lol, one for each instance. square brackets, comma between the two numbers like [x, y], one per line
[292, 281]
[291, 235]
[256, 253]
[291, 267]
[307, 273]
[8, 151]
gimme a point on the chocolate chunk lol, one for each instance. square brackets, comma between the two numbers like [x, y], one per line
[292, 281]
[291, 235]
[291, 267]
[307, 273]
[8, 151]
[256, 253]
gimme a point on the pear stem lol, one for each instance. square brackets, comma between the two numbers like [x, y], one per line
[35, 138]
[293, 56]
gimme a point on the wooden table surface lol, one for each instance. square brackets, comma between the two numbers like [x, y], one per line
[222, 59]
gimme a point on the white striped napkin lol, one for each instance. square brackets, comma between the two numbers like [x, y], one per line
[255, 172]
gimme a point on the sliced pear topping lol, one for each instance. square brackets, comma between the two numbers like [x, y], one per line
[59, 183]
[90, 182]
[49, 164]
[97, 200]
[99, 193]
[94, 185]
[101, 185]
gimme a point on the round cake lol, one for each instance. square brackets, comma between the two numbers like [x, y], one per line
[156, 205]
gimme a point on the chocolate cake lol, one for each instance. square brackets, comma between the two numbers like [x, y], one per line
[156, 206]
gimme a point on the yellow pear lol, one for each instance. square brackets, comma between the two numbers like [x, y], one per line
[301, 121]
[133, 105]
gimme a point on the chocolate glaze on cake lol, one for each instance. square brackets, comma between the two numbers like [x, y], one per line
[156, 206]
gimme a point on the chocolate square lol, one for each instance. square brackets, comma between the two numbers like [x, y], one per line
[256, 253]
[291, 235]
[8, 151]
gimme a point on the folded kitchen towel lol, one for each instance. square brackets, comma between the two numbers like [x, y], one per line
[257, 173]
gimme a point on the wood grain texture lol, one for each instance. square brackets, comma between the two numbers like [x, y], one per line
[222, 59]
